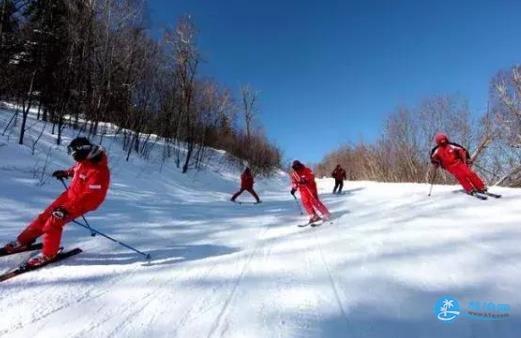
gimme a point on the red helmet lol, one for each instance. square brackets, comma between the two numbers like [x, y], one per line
[441, 138]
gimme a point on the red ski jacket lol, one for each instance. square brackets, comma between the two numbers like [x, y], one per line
[304, 180]
[448, 155]
[339, 174]
[247, 180]
[89, 186]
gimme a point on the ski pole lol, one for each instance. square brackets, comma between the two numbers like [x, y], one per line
[486, 170]
[296, 200]
[432, 181]
[92, 233]
[298, 205]
[147, 256]
[317, 200]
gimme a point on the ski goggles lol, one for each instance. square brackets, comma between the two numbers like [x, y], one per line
[73, 150]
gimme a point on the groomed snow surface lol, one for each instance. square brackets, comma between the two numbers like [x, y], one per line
[226, 270]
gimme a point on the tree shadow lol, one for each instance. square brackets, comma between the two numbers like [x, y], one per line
[350, 191]
[412, 318]
[169, 255]
[339, 214]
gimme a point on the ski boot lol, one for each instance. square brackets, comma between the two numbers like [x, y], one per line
[38, 260]
[13, 246]
[314, 219]
[472, 192]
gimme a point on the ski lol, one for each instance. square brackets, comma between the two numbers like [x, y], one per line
[24, 268]
[250, 203]
[483, 195]
[479, 195]
[31, 247]
[313, 224]
[491, 194]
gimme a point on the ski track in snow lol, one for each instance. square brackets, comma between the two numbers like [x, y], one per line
[236, 284]
[331, 279]
[228, 270]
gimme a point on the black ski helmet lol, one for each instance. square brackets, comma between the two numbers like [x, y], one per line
[296, 165]
[79, 148]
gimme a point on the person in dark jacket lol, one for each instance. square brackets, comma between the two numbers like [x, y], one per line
[339, 174]
[247, 182]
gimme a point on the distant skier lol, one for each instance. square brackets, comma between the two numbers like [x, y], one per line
[247, 182]
[90, 182]
[339, 174]
[302, 178]
[456, 160]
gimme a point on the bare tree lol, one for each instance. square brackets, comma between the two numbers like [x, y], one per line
[89, 63]
[401, 154]
[249, 105]
[186, 63]
[505, 159]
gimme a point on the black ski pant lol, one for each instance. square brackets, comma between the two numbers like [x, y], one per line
[250, 190]
[339, 185]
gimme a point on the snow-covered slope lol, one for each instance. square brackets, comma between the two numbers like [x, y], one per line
[226, 270]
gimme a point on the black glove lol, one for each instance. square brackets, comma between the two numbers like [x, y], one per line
[293, 191]
[60, 174]
[60, 213]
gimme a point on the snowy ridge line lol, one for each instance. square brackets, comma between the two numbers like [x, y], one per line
[215, 159]
[33, 113]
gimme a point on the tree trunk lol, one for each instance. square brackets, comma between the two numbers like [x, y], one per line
[25, 111]
[188, 157]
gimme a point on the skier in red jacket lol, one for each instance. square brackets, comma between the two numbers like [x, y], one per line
[456, 160]
[339, 174]
[90, 182]
[302, 178]
[246, 185]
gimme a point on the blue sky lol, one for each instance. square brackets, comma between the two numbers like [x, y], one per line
[330, 71]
